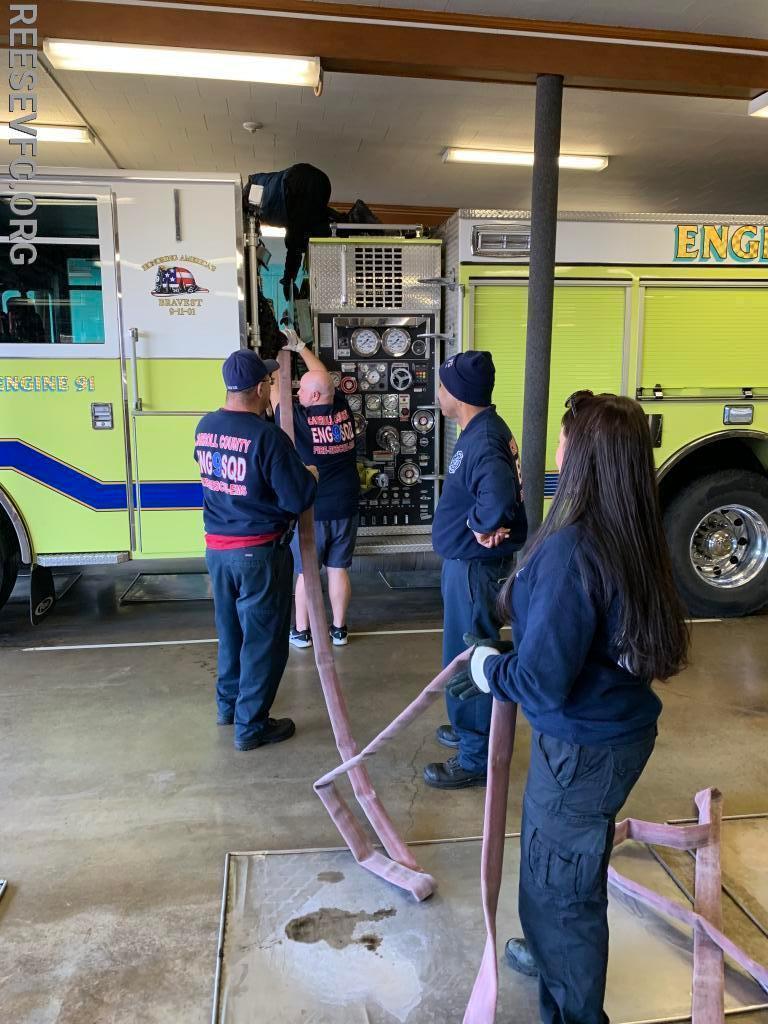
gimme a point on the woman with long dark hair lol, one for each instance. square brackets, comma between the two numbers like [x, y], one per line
[595, 618]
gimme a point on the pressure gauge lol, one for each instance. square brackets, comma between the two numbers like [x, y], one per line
[390, 406]
[396, 341]
[373, 405]
[360, 423]
[408, 439]
[423, 420]
[409, 474]
[335, 378]
[355, 403]
[365, 341]
[372, 376]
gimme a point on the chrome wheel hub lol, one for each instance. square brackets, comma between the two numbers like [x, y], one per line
[729, 547]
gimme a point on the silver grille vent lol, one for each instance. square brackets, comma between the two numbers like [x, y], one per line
[378, 277]
[503, 241]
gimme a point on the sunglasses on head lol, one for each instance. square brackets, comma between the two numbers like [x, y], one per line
[573, 401]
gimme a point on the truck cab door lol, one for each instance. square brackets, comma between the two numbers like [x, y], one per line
[63, 436]
[183, 313]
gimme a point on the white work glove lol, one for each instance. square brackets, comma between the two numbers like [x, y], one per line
[470, 681]
[292, 341]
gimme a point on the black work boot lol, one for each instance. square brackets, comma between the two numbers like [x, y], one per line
[519, 958]
[452, 776]
[445, 735]
[275, 731]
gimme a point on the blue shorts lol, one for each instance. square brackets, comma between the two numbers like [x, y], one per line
[335, 540]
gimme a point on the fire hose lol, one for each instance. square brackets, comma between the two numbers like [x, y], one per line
[399, 867]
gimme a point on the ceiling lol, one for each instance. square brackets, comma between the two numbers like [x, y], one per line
[738, 18]
[381, 139]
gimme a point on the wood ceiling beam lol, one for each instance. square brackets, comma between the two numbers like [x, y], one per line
[419, 44]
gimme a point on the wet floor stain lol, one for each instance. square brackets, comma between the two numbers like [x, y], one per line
[371, 941]
[336, 928]
[330, 876]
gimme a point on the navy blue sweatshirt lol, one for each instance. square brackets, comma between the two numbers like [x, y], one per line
[482, 489]
[565, 671]
[325, 437]
[253, 480]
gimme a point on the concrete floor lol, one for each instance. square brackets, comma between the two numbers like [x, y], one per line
[120, 796]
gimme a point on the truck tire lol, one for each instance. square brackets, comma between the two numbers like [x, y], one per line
[9, 560]
[717, 529]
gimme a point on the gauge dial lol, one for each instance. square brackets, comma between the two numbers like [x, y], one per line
[423, 420]
[365, 341]
[336, 378]
[355, 402]
[408, 438]
[396, 341]
[409, 474]
[372, 377]
[360, 423]
[390, 405]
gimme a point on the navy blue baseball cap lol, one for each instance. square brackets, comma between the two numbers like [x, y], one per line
[244, 369]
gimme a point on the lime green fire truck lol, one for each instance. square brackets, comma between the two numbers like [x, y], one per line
[672, 310]
[111, 344]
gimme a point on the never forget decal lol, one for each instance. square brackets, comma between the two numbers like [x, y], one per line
[175, 284]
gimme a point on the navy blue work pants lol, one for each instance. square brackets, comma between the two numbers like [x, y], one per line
[470, 590]
[252, 589]
[572, 797]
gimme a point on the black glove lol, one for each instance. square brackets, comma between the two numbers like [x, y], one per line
[462, 685]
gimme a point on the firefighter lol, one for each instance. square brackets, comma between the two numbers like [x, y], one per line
[254, 487]
[325, 435]
[479, 526]
[595, 618]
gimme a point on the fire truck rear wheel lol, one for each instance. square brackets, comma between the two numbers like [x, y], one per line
[9, 559]
[717, 529]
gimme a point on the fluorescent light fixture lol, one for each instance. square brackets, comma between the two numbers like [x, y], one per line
[267, 231]
[48, 132]
[512, 158]
[128, 58]
[758, 107]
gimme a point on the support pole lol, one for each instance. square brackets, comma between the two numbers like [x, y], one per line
[541, 285]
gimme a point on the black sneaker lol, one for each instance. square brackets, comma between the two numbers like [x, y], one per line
[300, 638]
[519, 958]
[446, 736]
[452, 776]
[338, 635]
[275, 731]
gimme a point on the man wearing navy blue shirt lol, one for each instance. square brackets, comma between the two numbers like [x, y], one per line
[325, 436]
[479, 525]
[254, 487]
